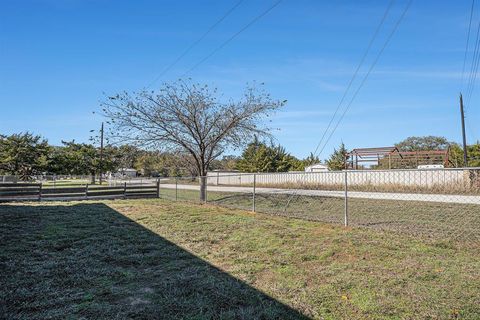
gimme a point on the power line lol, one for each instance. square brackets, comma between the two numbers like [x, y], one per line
[221, 46]
[474, 68]
[470, 129]
[397, 24]
[468, 40]
[195, 43]
[474, 65]
[358, 89]
[372, 40]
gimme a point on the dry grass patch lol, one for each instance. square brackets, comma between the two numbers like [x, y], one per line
[159, 259]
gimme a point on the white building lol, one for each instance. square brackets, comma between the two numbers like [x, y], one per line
[318, 167]
[127, 172]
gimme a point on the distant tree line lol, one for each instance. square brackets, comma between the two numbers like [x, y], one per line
[427, 143]
[27, 154]
[261, 157]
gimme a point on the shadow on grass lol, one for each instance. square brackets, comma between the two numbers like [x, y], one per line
[88, 260]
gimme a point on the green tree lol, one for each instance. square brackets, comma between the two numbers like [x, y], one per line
[473, 155]
[228, 162]
[255, 158]
[311, 159]
[259, 157]
[151, 163]
[337, 158]
[308, 161]
[83, 158]
[57, 163]
[423, 143]
[23, 154]
[128, 155]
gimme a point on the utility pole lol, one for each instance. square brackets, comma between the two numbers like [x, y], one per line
[101, 153]
[465, 161]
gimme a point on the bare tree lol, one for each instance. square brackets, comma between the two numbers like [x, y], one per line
[191, 118]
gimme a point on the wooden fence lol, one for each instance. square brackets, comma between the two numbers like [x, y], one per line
[35, 191]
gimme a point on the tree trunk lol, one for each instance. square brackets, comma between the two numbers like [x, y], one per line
[203, 188]
[92, 178]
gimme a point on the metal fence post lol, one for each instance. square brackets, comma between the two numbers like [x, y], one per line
[346, 198]
[206, 189]
[176, 188]
[254, 187]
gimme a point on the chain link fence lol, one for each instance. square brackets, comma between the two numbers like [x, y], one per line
[427, 203]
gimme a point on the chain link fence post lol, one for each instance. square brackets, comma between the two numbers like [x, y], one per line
[253, 195]
[346, 199]
[206, 188]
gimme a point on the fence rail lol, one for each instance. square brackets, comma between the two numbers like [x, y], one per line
[440, 204]
[37, 191]
[428, 207]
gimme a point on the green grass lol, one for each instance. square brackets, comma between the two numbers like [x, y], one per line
[162, 259]
[66, 183]
[447, 221]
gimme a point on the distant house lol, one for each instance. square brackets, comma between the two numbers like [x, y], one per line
[127, 172]
[318, 167]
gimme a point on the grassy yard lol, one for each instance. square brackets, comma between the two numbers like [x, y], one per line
[452, 221]
[162, 259]
[67, 183]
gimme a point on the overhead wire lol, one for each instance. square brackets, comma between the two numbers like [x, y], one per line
[195, 43]
[236, 34]
[377, 58]
[468, 41]
[354, 76]
[379, 54]
[474, 66]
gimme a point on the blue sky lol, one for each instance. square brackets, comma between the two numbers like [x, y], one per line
[59, 57]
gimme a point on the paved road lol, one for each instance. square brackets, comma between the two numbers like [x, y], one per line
[445, 198]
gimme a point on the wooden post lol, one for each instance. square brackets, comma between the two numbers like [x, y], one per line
[464, 139]
[125, 189]
[40, 192]
[158, 188]
[86, 191]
